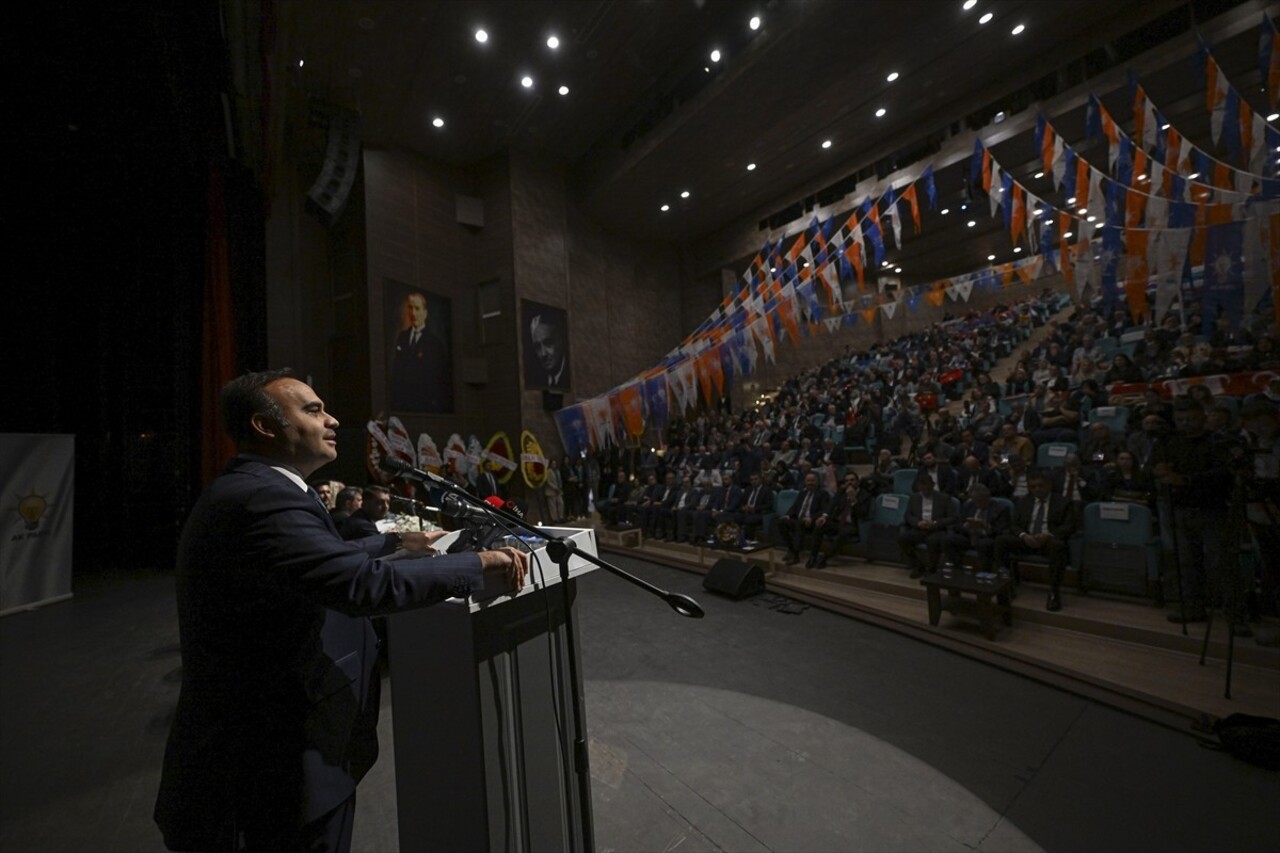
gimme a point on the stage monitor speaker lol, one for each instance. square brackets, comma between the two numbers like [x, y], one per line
[734, 578]
[552, 402]
[328, 195]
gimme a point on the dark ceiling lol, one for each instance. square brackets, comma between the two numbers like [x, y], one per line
[649, 115]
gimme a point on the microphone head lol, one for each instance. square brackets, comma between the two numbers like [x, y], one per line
[394, 464]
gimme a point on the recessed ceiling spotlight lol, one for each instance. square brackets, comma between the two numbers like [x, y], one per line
[1039, 174]
[553, 42]
[482, 36]
[564, 90]
[1194, 175]
[1017, 31]
[1082, 211]
[1017, 249]
[1071, 200]
[893, 75]
[773, 269]
[998, 117]
[437, 122]
[1067, 236]
[751, 167]
[1142, 177]
[971, 223]
[826, 143]
[969, 4]
[665, 208]
[715, 55]
[991, 257]
[805, 265]
[1274, 117]
[754, 23]
[1165, 126]
[945, 211]
[884, 263]
[880, 112]
[1091, 219]
[897, 269]
[985, 18]
[301, 62]
[684, 194]
[526, 81]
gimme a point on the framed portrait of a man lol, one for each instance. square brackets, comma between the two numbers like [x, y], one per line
[420, 353]
[545, 333]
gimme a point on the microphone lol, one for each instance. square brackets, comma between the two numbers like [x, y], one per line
[403, 469]
[455, 507]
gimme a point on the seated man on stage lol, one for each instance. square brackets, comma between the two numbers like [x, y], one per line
[669, 513]
[840, 521]
[615, 495]
[656, 502]
[982, 521]
[724, 505]
[632, 510]
[1042, 524]
[757, 500]
[928, 516]
[797, 528]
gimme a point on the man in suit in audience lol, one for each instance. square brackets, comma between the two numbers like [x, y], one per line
[929, 515]
[757, 499]
[1042, 524]
[851, 505]
[1076, 483]
[609, 504]
[943, 476]
[982, 521]
[669, 516]
[724, 505]
[656, 502]
[797, 527]
[375, 504]
[632, 511]
[348, 500]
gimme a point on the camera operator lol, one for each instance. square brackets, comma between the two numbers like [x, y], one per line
[1261, 421]
[1198, 474]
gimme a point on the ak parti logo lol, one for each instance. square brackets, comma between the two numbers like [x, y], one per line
[32, 509]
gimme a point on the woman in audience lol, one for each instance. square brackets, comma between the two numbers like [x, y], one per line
[1127, 482]
[1019, 383]
[1122, 370]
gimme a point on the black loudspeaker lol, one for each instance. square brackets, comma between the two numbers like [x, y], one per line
[734, 578]
[328, 195]
[552, 402]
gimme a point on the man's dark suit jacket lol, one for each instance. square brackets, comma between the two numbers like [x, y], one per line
[1060, 517]
[817, 505]
[421, 374]
[942, 510]
[1089, 483]
[357, 525]
[277, 712]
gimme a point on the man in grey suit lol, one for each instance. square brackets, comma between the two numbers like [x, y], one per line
[276, 719]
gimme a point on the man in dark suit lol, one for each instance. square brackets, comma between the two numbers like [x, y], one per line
[421, 369]
[685, 498]
[609, 504]
[724, 506]
[657, 502]
[943, 475]
[797, 528]
[840, 521]
[275, 722]
[1076, 483]
[757, 499]
[374, 506]
[486, 484]
[929, 516]
[982, 521]
[348, 500]
[1042, 524]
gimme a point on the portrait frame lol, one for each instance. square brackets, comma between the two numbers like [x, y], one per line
[550, 326]
[419, 373]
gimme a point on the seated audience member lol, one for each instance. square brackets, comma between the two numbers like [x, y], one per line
[1058, 421]
[839, 523]
[943, 476]
[1125, 481]
[1153, 404]
[797, 526]
[1020, 382]
[1010, 444]
[757, 499]
[1076, 483]
[610, 503]
[881, 477]
[1144, 442]
[658, 502]
[1221, 422]
[929, 515]
[1259, 463]
[675, 519]
[693, 520]
[1099, 449]
[972, 473]
[632, 510]
[374, 506]
[347, 501]
[1122, 370]
[725, 504]
[1042, 524]
[981, 522]
[324, 489]
[969, 446]
[1025, 418]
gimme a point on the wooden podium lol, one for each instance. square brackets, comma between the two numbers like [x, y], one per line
[483, 733]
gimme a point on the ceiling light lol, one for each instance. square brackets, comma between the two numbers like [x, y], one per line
[751, 167]
[972, 223]
[985, 18]
[880, 112]
[553, 42]
[893, 75]
[754, 23]
[482, 36]
[715, 55]
[998, 117]
[684, 194]
[564, 90]
[897, 269]
[1165, 126]
[526, 81]
[969, 4]
[991, 257]
[1091, 219]
[1066, 236]
[1274, 117]
[826, 143]
[945, 211]
[1071, 200]
[1082, 211]
[1017, 249]
[805, 265]
[1194, 175]
[1142, 177]
[1039, 174]
[1017, 31]
[437, 122]
[773, 269]
[884, 263]
[665, 208]
[301, 62]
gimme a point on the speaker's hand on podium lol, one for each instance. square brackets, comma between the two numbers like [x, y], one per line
[421, 541]
[508, 563]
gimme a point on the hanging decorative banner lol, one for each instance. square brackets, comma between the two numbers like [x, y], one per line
[499, 458]
[575, 436]
[533, 462]
[428, 455]
[656, 399]
[888, 308]
[632, 409]
[600, 422]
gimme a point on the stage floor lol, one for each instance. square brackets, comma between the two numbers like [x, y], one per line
[750, 729]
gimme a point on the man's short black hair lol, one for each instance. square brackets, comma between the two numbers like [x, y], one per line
[346, 497]
[373, 490]
[244, 397]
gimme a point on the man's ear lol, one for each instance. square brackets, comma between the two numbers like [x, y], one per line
[264, 426]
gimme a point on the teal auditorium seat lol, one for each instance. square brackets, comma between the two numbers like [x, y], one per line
[879, 532]
[782, 502]
[904, 481]
[1052, 454]
[1115, 417]
[1119, 551]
